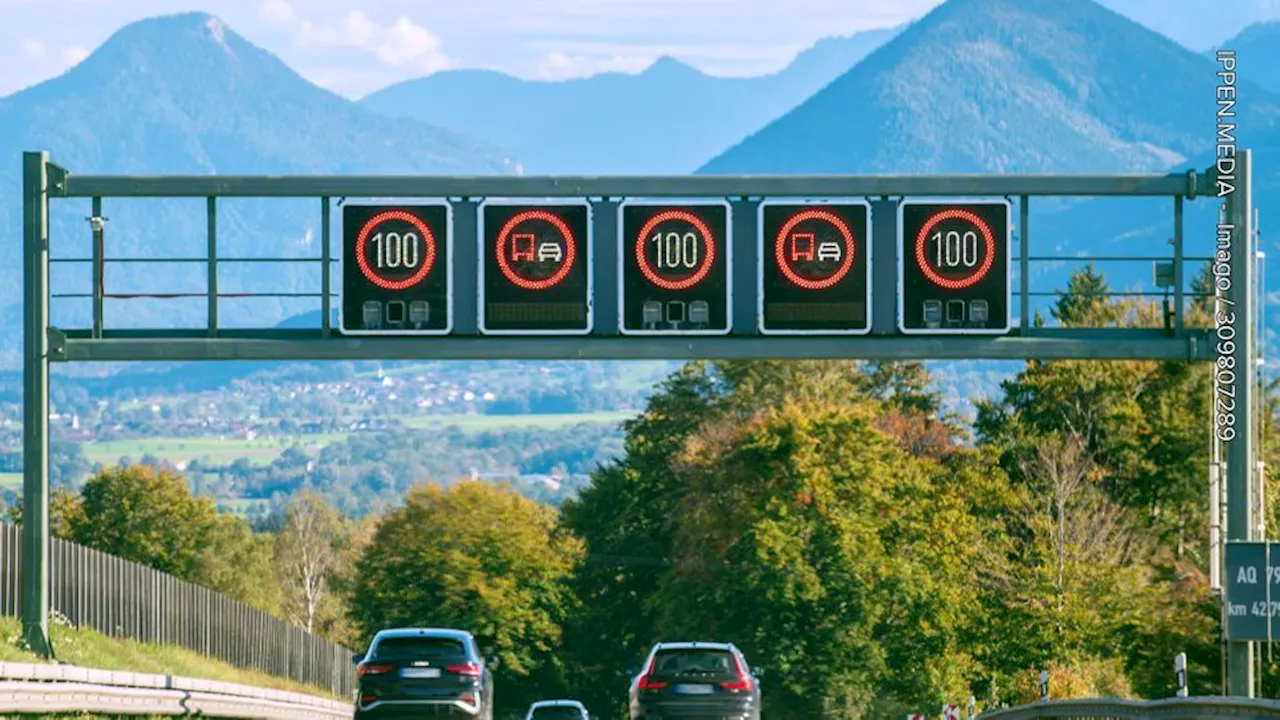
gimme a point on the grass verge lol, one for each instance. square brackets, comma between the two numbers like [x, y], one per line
[91, 649]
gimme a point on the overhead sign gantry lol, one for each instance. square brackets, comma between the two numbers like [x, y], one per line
[874, 267]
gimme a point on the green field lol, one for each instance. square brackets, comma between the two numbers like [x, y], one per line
[240, 507]
[481, 423]
[219, 451]
[262, 450]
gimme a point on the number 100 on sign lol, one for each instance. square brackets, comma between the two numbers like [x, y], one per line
[675, 260]
[395, 270]
[954, 270]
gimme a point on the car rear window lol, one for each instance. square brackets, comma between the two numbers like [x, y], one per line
[410, 648]
[557, 713]
[693, 660]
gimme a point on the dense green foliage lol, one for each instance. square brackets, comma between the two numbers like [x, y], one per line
[824, 516]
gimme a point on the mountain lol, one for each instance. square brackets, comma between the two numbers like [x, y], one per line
[665, 120]
[186, 94]
[1033, 86]
[1258, 53]
[1197, 23]
[1003, 86]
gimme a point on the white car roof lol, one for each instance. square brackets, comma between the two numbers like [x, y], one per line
[693, 645]
[557, 703]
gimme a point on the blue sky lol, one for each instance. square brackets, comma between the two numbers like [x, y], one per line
[354, 47]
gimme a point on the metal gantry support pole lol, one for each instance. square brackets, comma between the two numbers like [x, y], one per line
[1024, 265]
[35, 403]
[1237, 302]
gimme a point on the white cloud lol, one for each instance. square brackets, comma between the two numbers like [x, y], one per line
[34, 48]
[562, 66]
[276, 11]
[74, 55]
[402, 44]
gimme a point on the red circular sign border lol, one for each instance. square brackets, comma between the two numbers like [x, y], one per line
[955, 214]
[849, 243]
[570, 250]
[428, 239]
[708, 246]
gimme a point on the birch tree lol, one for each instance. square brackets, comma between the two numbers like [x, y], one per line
[308, 546]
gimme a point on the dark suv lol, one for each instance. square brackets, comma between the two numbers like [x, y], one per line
[423, 672]
[695, 680]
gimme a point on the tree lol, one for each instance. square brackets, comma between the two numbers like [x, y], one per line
[307, 548]
[145, 514]
[904, 386]
[236, 562]
[65, 509]
[762, 500]
[148, 515]
[1086, 301]
[479, 557]
[1133, 578]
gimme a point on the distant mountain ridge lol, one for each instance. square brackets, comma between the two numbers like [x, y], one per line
[664, 120]
[186, 94]
[1002, 86]
[1032, 86]
[1257, 49]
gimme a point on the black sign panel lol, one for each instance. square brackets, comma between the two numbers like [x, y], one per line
[535, 268]
[954, 267]
[814, 268]
[1252, 586]
[675, 268]
[395, 270]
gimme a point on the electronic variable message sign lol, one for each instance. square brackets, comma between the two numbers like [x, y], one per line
[953, 267]
[674, 270]
[396, 277]
[535, 268]
[815, 267]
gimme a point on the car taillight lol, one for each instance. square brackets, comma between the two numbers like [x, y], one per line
[742, 683]
[647, 684]
[362, 670]
[467, 669]
[367, 699]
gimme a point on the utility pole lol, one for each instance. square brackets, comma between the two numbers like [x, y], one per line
[1236, 311]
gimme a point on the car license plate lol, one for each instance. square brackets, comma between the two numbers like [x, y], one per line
[695, 689]
[420, 672]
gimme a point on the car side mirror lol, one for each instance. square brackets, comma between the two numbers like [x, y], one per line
[355, 659]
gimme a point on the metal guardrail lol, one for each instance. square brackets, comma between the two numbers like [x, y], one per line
[30, 688]
[1188, 708]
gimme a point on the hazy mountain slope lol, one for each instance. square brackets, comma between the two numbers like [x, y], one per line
[185, 94]
[1197, 23]
[1002, 86]
[667, 119]
[1258, 54]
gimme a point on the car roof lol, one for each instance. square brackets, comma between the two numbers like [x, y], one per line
[695, 644]
[449, 633]
[557, 703]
